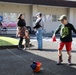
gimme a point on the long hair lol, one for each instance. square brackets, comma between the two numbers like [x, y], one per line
[20, 16]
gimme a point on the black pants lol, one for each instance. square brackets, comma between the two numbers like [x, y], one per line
[20, 42]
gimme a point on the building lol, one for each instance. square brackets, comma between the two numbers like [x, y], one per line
[51, 9]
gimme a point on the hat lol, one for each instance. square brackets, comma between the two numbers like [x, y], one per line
[39, 13]
[62, 18]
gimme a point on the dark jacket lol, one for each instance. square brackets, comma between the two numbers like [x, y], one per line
[37, 24]
[66, 32]
[21, 23]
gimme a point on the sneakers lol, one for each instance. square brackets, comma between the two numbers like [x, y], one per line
[69, 60]
[24, 48]
[60, 60]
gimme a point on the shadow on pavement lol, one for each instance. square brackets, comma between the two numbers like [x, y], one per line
[53, 50]
[17, 62]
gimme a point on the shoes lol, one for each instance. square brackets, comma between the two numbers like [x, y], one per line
[60, 60]
[39, 49]
[19, 48]
[69, 60]
[24, 48]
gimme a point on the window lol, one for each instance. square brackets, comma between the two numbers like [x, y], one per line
[13, 17]
[58, 16]
[54, 18]
[44, 18]
[6, 17]
[48, 18]
[9, 19]
[34, 18]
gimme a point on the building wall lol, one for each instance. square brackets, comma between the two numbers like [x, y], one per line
[74, 17]
[16, 8]
[47, 11]
[61, 3]
[50, 26]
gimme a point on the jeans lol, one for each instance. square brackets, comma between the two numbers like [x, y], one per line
[39, 38]
[20, 42]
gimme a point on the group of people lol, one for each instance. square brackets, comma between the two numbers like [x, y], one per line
[65, 30]
[23, 32]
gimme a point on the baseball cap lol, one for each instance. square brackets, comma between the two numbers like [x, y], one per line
[39, 13]
[62, 18]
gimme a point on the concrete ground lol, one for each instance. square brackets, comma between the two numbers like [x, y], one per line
[17, 62]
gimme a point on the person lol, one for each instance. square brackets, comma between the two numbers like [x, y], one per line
[27, 40]
[0, 27]
[65, 30]
[39, 26]
[0, 24]
[21, 27]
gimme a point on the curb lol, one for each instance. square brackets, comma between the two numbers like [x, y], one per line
[8, 47]
[12, 46]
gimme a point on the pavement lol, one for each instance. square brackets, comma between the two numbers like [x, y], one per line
[17, 62]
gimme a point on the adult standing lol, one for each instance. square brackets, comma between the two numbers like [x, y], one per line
[21, 27]
[39, 27]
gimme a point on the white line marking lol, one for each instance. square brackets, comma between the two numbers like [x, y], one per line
[17, 55]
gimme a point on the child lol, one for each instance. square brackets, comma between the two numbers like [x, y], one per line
[27, 40]
[65, 30]
[21, 31]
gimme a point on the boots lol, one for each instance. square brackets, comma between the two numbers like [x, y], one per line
[69, 60]
[60, 60]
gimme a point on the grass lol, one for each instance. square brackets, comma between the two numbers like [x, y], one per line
[7, 41]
